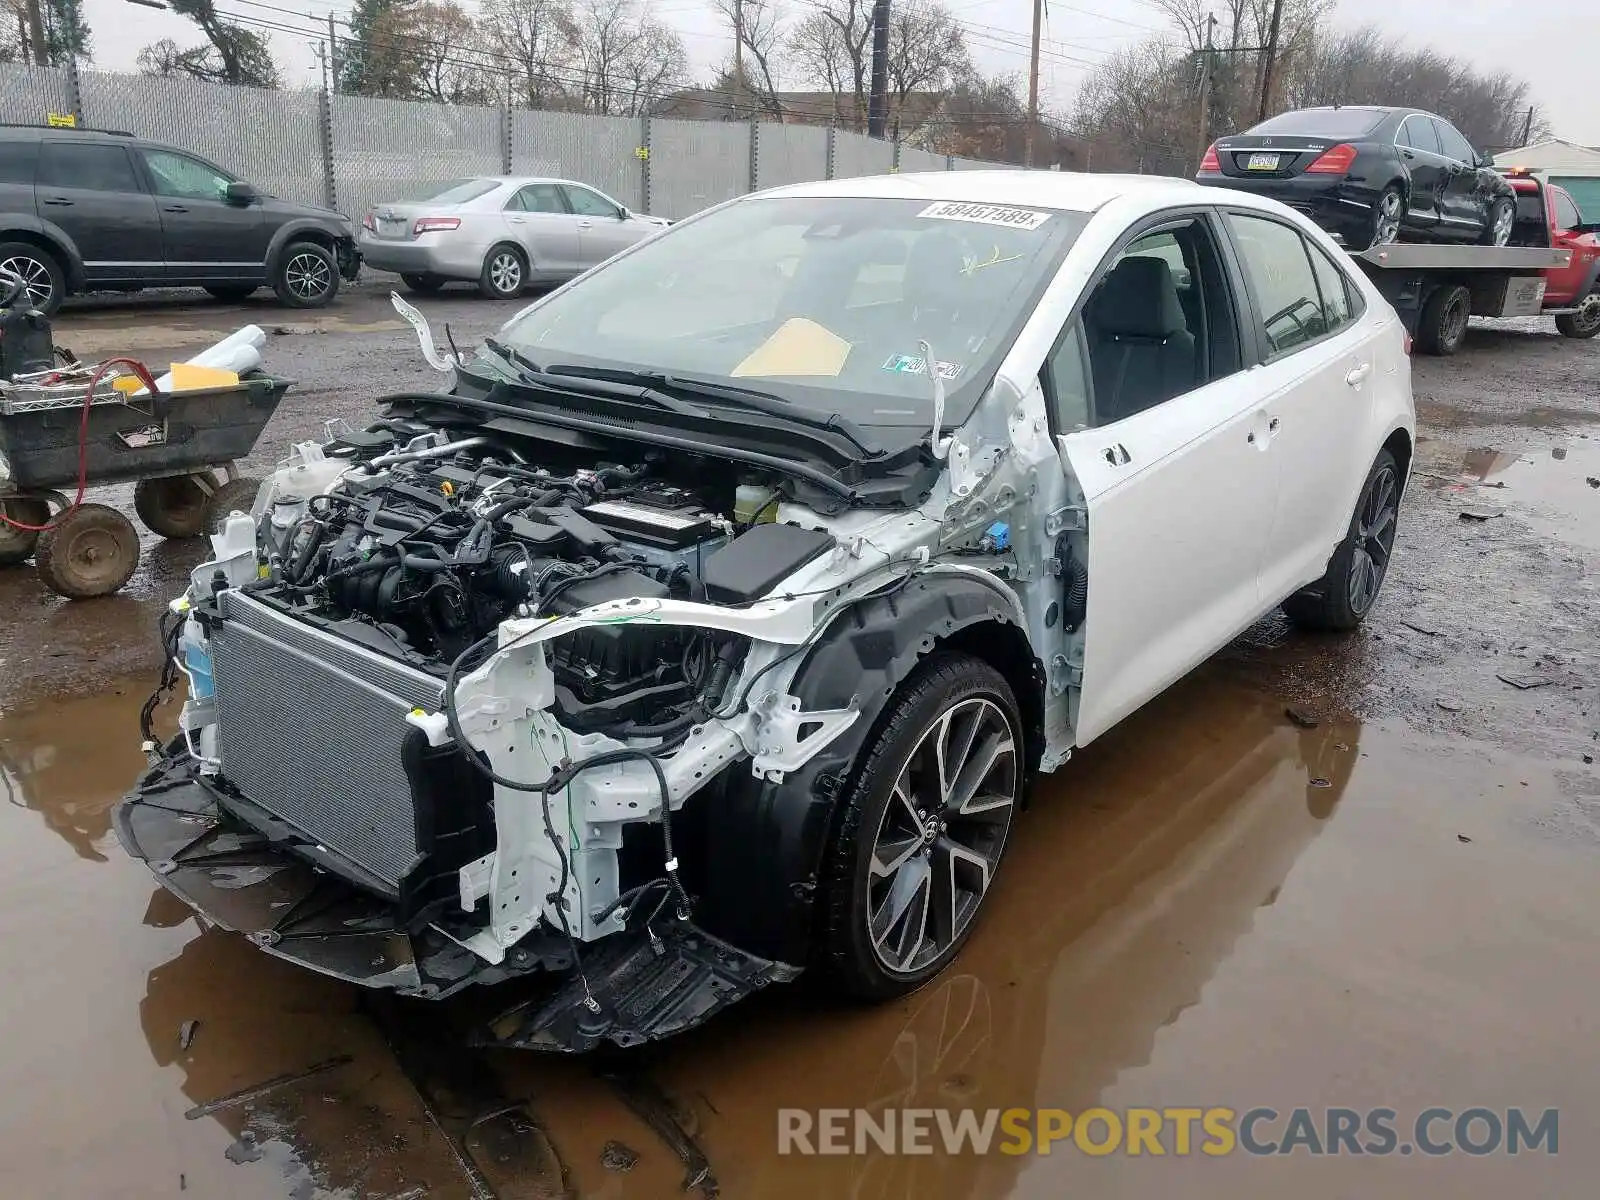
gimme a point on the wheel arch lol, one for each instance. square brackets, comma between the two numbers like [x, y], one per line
[1398, 443]
[49, 238]
[763, 841]
[302, 229]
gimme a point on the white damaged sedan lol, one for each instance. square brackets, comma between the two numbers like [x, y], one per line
[712, 623]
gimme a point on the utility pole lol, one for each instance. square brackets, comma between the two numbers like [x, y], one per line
[1527, 126]
[878, 101]
[1267, 63]
[738, 53]
[333, 54]
[38, 54]
[1033, 85]
[1203, 139]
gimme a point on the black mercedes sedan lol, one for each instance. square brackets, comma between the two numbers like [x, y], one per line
[1370, 175]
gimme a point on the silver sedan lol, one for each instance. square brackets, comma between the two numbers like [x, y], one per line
[502, 232]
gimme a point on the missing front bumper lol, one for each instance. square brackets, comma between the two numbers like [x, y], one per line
[639, 987]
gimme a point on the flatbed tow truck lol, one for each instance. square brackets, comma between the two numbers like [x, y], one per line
[1552, 269]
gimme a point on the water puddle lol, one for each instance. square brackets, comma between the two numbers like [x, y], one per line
[1214, 906]
[1556, 490]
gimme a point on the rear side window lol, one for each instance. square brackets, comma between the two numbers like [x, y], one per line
[17, 161]
[461, 191]
[97, 167]
[1277, 260]
[539, 198]
[1340, 301]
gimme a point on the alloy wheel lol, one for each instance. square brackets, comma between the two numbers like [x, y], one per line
[505, 272]
[35, 276]
[1390, 209]
[308, 276]
[1374, 539]
[1505, 216]
[941, 836]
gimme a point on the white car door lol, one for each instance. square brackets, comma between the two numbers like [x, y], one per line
[539, 220]
[1317, 380]
[1179, 490]
[603, 225]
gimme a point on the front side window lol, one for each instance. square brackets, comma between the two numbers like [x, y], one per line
[1277, 263]
[590, 204]
[822, 300]
[1566, 212]
[1159, 323]
[1453, 144]
[98, 168]
[185, 177]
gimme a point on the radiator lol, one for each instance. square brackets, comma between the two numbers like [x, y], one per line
[310, 729]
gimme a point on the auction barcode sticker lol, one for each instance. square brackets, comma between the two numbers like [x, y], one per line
[985, 214]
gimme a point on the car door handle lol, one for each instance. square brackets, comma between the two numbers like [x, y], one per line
[59, 201]
[518, 220]
[1118, 456]
[585, 224]
[174, 208]
[1359, 375]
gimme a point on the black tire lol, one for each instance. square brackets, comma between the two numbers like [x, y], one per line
[505, 272]
[1387, 217]
[1502, 210]
[173, 506]
[1581, 325]
[1335, 604]
[877, 818]
[47, 282]
[423, 285]
[17, 545]
[306, 275]
[237, 495]
[92, 551]
[1442, 325]
[232, 293]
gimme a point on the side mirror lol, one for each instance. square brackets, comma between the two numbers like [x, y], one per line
[622, 213]
[1485, 160]
[241, 193]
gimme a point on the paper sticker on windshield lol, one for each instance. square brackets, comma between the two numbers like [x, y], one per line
[913, 364]
[985, 214]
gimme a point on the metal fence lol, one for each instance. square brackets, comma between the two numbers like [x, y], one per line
[353, 152]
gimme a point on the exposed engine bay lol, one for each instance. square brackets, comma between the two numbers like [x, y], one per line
[422, 552]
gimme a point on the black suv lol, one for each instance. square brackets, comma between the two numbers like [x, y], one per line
[94, 210]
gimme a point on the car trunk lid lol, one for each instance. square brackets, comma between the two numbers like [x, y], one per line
[1284, 156]
[396, 222]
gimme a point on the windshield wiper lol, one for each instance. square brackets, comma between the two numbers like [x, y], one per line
[729, 394]
[531, 374]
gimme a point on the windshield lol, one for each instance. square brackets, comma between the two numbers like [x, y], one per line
[461, 191]
[1324, 122]
[819, 300]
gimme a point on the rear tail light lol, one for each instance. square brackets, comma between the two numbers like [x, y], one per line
[369, 224]
[1335, 160]
[1210, 162]
[1408, 342]
[434, 224]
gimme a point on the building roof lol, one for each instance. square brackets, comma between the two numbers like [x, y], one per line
[1553, 154]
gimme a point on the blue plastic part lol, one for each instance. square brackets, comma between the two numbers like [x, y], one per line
[199, 664]
[996, 538]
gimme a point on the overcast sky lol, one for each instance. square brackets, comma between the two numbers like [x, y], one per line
[1539, 39]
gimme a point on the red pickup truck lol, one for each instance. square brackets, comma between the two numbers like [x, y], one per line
[1548, 216]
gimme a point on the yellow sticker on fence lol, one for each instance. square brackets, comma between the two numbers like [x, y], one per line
[62, 120]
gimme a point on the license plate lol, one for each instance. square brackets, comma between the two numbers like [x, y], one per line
[392, 228]
[1262, 162]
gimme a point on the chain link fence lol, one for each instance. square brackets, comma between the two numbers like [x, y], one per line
[310, 147]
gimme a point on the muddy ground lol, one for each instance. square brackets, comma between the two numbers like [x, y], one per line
[1213, 906]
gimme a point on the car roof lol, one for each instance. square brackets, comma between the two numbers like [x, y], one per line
[1068, 190]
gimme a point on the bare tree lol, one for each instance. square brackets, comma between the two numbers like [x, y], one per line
[447, 48]
[231, 53]
[540, 41]
[759, 37]
[927, 50]
[626, 57]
